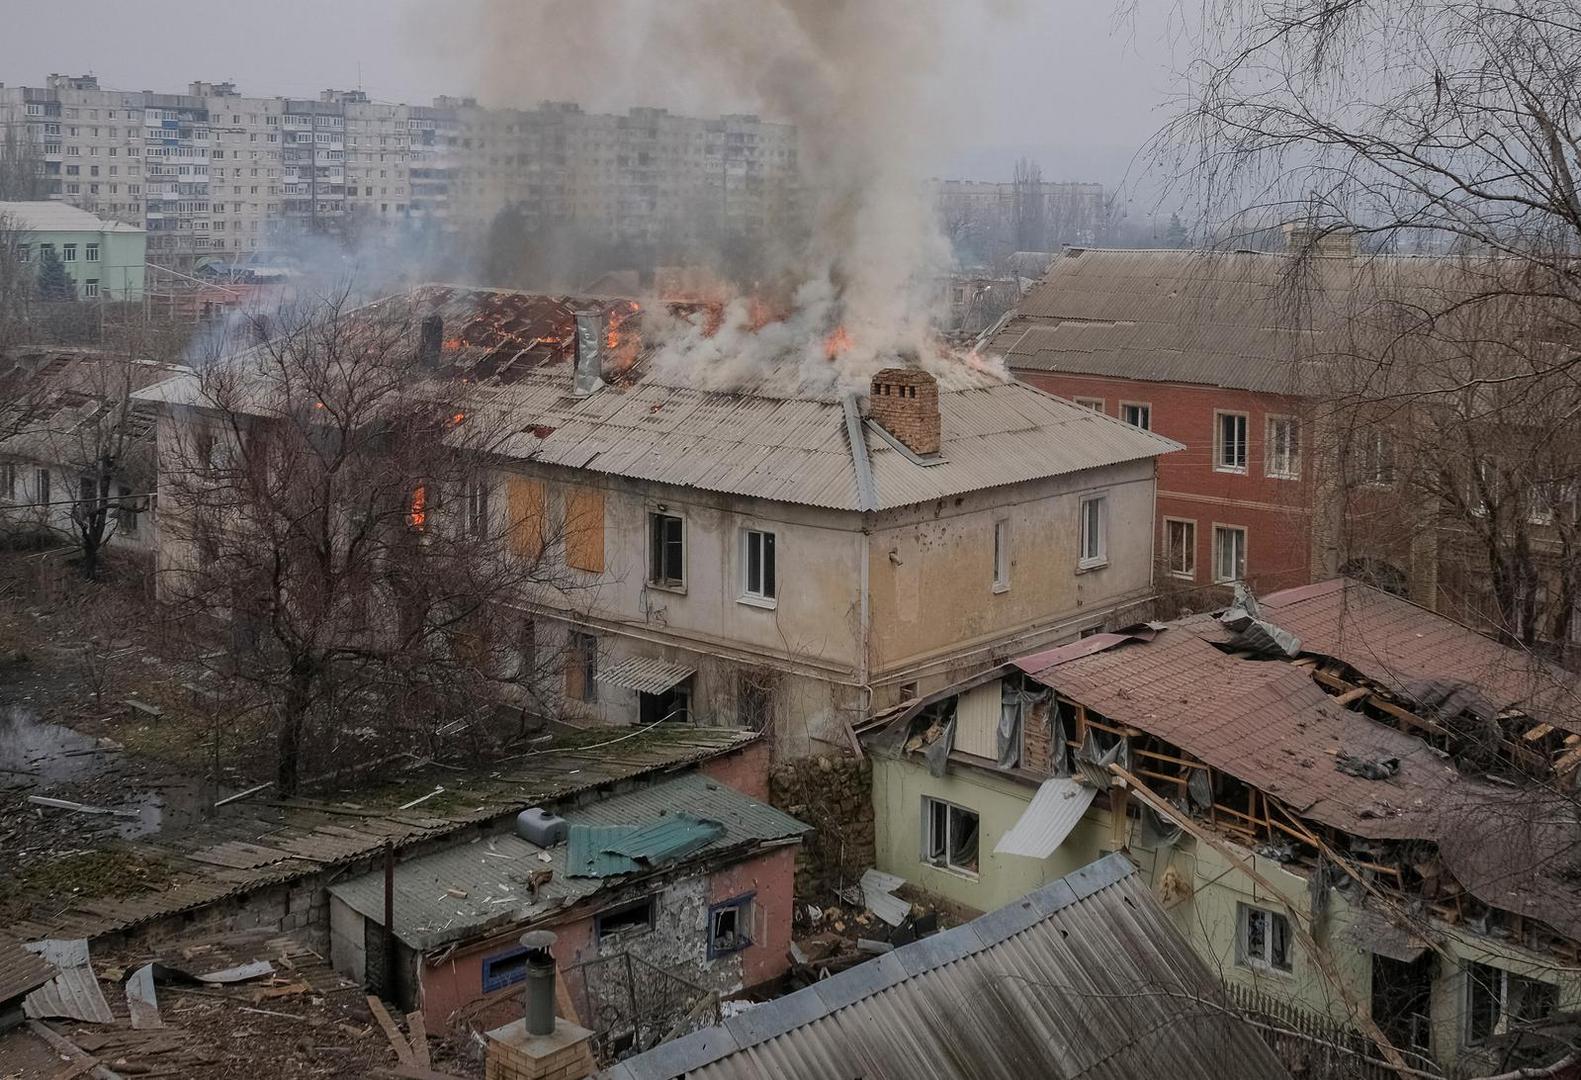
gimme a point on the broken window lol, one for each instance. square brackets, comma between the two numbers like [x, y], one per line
[504, 969]
[729, 926]
[949, 836]
[1264, 939]
[758, 577]
[126, 511]
[666, 551]
[1497, 1001]
[1229, 442]
[624, 920]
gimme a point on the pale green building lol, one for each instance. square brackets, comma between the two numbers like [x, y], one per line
[105, 259]
[1437, 904]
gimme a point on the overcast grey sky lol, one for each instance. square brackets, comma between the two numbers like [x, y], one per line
[1056, 80]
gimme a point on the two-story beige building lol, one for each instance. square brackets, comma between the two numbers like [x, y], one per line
[782, 558]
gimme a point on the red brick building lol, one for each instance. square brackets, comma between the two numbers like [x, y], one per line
[1197, 347]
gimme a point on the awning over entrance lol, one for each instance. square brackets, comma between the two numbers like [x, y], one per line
[1049, 818]
[646, 675]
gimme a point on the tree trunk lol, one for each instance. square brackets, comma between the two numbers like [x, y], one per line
[293, 719]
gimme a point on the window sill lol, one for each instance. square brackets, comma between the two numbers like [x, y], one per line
[1228, 580]
[1180, 576]
[676, 587]
[1001, 587]
[1261, 968]
[1087, 565]
[954, 871]
[1241, 471]
[768, 603]
[1284, 476]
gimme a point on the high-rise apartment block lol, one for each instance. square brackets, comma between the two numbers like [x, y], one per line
[213, 172]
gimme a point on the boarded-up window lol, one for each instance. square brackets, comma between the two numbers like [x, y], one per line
[977, 721]
[525, 504]
[584, 529]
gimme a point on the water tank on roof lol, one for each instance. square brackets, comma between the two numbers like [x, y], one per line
[538, 826]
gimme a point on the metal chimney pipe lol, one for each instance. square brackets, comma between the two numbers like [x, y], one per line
[540, 982]
[591, 326]
[432, 342]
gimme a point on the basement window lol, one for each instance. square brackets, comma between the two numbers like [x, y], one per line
[666, 551]
[504, 969]
[949, 836]
[624, 920]
[730, 926]
[1264, 939]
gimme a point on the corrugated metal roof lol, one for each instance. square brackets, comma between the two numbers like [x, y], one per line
[673, 837]
[1048, 819]
[74, 991]
[1402, 646]
[646, 674]
[492, 873]
[21, 971]
[589, 854]
[760, 440]
[1083, 978]
[306, 837]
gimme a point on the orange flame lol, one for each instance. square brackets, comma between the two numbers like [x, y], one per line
[417, 514]
[838, 341]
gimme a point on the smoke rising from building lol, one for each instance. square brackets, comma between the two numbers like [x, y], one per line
[858, 82]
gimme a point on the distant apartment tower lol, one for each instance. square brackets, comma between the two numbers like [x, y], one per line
[213, 172]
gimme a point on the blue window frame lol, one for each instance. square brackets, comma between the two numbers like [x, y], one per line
[504, 969]
[730, 926]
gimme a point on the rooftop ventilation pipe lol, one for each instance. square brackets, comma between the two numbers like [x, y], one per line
[589, 369]
[540, 982]
[431, 343]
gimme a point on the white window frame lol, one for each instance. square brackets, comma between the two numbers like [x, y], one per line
[943, 862]
[1189, 571]
[1145, 408]
[1002, 555]
[1100, 556]
[1290, 467]
[1219, 445]
[1244, 954]
[1096, 404]
[1502, 1024]
[1378, 450]
[1218, 528]
[766, 556]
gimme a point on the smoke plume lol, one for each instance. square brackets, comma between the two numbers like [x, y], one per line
[857, 79]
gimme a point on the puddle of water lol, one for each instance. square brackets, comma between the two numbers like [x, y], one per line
[36, 752]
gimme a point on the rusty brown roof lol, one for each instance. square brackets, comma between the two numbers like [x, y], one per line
[1265, 723]
[1401, 646]
[21, 972]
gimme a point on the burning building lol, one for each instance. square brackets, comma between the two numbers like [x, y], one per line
[784, 551]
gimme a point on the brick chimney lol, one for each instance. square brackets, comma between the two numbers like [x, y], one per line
[905, 403]
[541, 1045]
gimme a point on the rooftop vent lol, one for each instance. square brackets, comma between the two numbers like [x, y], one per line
[905, 403]
[590, 331]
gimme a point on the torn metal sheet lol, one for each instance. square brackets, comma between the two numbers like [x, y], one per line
[257, 969]
[878, 893]
[1048, 819]
[74, 992]
[1376, 934]
[141, 1001]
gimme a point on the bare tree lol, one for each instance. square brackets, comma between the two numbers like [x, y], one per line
[21, 166]
[339, 505]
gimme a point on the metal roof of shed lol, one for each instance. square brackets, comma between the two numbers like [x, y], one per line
[1083, 978]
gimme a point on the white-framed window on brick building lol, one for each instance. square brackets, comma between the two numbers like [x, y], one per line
[1093, 403]
[1375, 458]
[1262, 939]
[1282, 449]
[1229, 442]
[1229, 554]
[1137, 414]
[1180, 547]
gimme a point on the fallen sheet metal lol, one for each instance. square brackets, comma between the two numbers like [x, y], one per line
[240, 973]
[140, 999]
[73, 993]
[1048, 819]
[878, 893]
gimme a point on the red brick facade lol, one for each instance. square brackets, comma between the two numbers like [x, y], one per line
[1197, 491]
[905, 403]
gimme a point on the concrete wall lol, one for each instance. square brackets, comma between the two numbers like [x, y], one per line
[678, 942]
[22, 512]
[1208, 916]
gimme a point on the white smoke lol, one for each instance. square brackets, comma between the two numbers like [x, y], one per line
[858, 79]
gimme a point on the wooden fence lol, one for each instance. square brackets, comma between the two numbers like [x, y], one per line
[1315, 1046]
